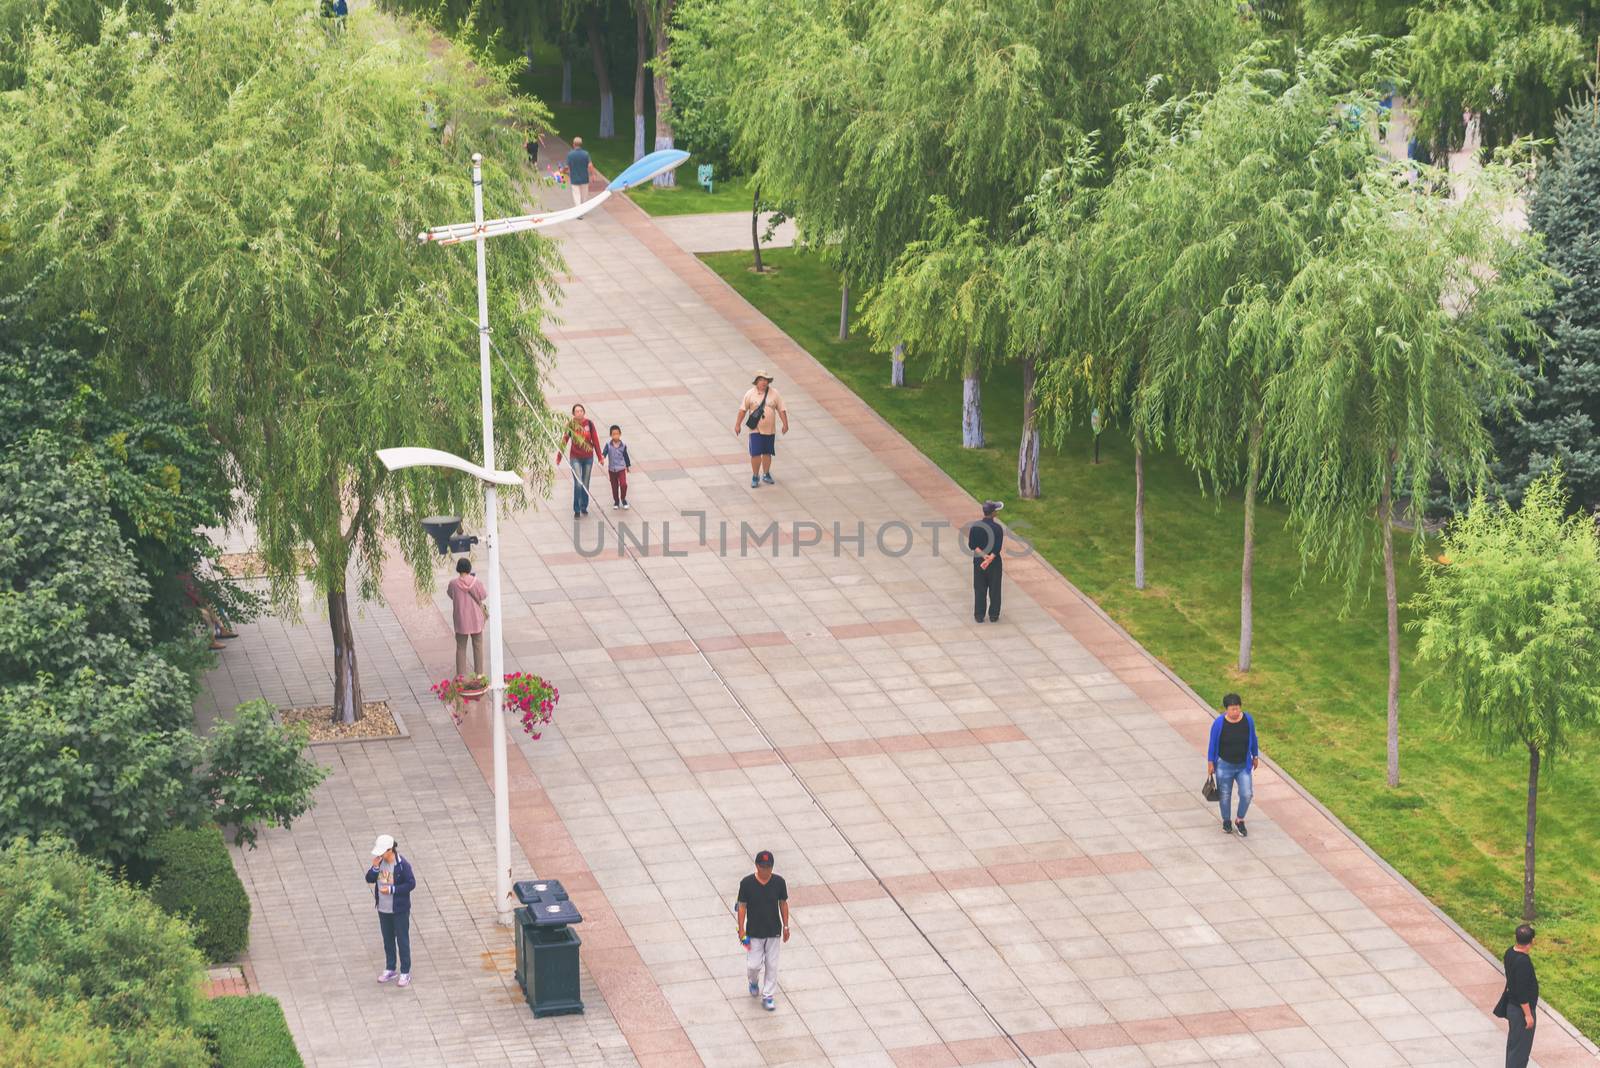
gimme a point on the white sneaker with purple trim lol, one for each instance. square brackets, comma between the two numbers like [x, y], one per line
[385, 975]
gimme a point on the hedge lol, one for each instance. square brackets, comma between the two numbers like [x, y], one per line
[250, 1032]
[75, 940]
[194, 878]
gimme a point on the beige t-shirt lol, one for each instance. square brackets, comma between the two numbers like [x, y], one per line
[769, 418]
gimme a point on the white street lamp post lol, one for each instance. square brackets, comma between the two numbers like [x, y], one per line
[394, 459]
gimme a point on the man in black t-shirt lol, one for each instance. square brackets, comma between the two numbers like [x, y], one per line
[984, 541]
[1520, 999]
[763, 927]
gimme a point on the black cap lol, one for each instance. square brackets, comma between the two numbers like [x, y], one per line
[764, 859]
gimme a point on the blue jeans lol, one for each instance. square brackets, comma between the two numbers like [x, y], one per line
[396, 928]
[1227, 775]
[580, 483]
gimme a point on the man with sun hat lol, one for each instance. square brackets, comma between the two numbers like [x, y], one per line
[761, 410]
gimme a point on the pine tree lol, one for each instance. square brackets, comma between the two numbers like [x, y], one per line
[1561, 417]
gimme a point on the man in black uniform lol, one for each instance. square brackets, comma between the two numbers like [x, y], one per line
[984, 540]
[1519, 1000]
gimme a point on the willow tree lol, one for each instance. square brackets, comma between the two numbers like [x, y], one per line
[237, 205]
[1513, 65]
[789, 77]
[1512, 622]
[1197, 239]
[947, 302]
[72, 20]
[1094, 366]
[860, 112]
[1398, 326]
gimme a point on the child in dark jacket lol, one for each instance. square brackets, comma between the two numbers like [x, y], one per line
[617, 463]
[392, 882]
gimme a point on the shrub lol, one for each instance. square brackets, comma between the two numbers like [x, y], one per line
[258, 772]
[50, 1034]
[250, 1032]
[194, 878]
[72, 932]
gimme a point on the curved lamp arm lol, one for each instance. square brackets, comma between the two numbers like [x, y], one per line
[398, 459]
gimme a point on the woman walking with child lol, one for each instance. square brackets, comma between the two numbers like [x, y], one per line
[581, 443]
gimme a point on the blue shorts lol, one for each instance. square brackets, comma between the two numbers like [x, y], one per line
[763, 444]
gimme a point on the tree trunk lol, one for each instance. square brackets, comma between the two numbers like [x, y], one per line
[566, 79]
[1247, 569]
[1533, 823]
[1138, 510]
[897, 365]
[971, 408]
[347, 702]
[642, 48]
[755, 227]
[602, 76]
[844, 310]
[663, 93]
[1392, 606]
[1028, 451]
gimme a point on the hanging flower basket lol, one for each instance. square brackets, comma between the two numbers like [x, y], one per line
[459, 690]
[533, 698]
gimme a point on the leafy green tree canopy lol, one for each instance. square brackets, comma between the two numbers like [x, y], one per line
[1559, 420]
[1221, 200]
[73, 20]
[237, 206]
[1398, 329]
[1511, 621]
[1515, 64]
[860, 112]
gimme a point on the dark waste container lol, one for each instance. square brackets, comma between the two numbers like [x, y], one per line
[547, 948]
[530, 892]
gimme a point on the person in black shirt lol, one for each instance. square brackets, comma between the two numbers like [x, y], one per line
[985, 539]
[1521, 997]
[1232, 756]
[763, 927]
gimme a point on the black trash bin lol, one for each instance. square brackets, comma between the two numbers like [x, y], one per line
[531, 892]
[547, 948]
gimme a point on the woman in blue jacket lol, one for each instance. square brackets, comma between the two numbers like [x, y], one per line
[392, 882]
[1231, 757]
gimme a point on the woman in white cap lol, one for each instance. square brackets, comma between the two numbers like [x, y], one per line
[392, 882]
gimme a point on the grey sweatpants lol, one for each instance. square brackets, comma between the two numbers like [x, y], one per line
[763, 952]
[476, 640]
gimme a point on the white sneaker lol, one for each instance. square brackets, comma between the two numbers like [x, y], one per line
[405, 979]
[624, 506]
[385, 975]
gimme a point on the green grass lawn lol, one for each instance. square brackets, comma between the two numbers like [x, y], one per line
[1454, 828]
[688, 198]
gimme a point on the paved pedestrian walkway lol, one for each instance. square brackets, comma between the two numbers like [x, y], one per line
[722, 231]
[992, 834]
[314, 941]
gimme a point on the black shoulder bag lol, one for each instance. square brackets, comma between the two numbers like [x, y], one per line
[754, 419]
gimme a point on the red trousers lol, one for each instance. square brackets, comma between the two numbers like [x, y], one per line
[619, 485]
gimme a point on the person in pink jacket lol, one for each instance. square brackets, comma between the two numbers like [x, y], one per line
[467, 595]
